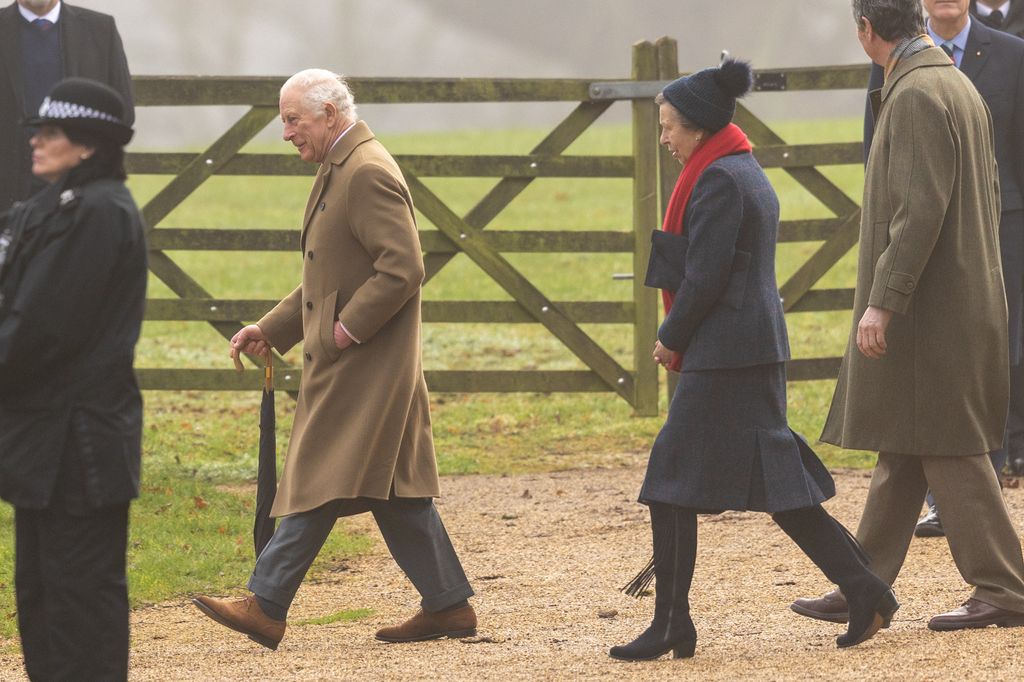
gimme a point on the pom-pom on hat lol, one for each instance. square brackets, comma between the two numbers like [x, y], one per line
[84, 104]
[708, 98]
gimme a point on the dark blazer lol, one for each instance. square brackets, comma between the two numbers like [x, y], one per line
[727, 312]
[91, 48]
[994, 62]
[73, 292]
[1013, 22]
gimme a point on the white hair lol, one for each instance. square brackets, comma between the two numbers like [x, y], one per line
[320, 86]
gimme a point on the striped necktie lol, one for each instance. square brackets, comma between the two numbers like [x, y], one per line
[948, 49]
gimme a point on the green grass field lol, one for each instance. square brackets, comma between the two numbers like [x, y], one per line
[191, 528]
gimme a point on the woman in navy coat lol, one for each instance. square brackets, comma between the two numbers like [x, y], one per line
[726, 443]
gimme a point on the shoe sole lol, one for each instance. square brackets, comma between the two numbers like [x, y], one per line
[684, 650]
[841, 619]
[1008, 622]
[451, 634]
[213, 615]
[929, 532]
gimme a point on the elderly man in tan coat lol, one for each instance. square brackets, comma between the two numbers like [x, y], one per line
[361, 439]
[925, 380]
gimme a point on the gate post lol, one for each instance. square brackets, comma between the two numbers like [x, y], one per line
[645, 219]
[668, 168]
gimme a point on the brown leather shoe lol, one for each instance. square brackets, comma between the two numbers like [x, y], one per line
[245, 616]
[831, 607]
[976, 614]
[460, 622]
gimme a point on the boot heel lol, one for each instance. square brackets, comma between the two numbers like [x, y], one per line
[886, 607]
[684, 650]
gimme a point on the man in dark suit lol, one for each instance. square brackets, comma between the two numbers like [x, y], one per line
[1002, 15]
[42, 42]
[992, 60]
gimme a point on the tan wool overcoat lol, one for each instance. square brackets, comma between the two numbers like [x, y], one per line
[362, 422]
[929, 251]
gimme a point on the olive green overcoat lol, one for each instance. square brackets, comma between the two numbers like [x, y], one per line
[362, 421]
[929, 251]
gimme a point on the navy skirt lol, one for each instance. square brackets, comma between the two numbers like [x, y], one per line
[726, 445]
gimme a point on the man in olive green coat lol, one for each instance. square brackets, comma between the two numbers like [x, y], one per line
[925, 379]
[361, 440]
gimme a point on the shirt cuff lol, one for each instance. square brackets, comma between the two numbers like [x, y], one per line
[345, 329]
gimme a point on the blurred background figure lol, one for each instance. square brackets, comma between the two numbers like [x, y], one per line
[72, 292]
[1002, 15]
[41, 42]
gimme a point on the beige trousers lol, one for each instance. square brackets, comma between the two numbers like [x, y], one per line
[981, 535]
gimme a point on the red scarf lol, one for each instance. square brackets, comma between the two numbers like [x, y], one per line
[728, 140]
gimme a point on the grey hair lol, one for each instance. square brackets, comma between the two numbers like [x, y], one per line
[320, 86]
[892, 20]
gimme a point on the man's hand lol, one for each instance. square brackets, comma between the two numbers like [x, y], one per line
[871, 332]
[662, 355]
[249, 340]
[341, 339]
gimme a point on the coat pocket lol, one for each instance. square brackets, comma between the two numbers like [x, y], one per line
[668, 261]
[735, 292]
[328, 316]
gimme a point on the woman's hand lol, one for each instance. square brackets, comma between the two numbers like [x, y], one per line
[662, 355]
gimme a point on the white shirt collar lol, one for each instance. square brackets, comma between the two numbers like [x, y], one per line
[52, 15]
[335, 144]
[985, 10]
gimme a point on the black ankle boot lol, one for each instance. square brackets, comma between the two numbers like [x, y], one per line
[675, 551]
[839, 556]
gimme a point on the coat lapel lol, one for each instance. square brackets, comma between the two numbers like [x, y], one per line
[72, 42]
[976, 54]
[9, 47]
[359, 134]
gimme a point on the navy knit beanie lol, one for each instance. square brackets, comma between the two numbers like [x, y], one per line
[708, 98]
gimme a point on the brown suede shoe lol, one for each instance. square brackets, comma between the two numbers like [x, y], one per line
[831, 607]
[459, 622]
[245, 616]
[976, 614]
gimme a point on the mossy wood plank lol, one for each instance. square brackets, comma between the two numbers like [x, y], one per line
[804, 155]
[813, 369]
[507, 189]
[815, 267]
[497, 312]
[443, 381]
[206, 164]
[808, 230]
[646, 212]
[533, 301]
[432, 241]
[264, 90]
[424, 165]
[818, 300]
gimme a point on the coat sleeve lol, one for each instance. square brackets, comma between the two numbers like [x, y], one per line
[920, 180]
[381, 215]
[715, 214]
[283, 324]
[65, 287]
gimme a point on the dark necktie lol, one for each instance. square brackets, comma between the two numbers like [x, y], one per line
[948, 49]
[42, 24]
[995, 19]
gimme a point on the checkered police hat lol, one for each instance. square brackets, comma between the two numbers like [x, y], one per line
[84, 104]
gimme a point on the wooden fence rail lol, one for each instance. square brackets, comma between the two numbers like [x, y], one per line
[646, 168]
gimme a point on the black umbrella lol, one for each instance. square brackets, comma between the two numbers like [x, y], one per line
[266, 476]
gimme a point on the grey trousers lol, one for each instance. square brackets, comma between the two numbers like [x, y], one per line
[412, 530]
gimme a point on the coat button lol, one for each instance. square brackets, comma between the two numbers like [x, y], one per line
[309, 358]
[310, 255]
[322, 205]
[309, 305]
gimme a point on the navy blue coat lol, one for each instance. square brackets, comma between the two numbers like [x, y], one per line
[994, 62]
[727, 312]
[726, 443]
[73, 291]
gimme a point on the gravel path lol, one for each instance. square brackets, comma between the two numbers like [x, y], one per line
[546, 555]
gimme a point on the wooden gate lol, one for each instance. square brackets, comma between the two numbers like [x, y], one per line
[653, 64]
